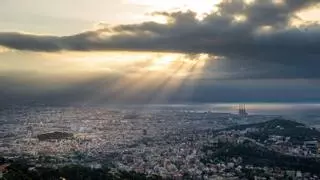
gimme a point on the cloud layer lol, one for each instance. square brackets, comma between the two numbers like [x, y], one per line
[218, 33]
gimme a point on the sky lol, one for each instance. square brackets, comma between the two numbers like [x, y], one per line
[145, 51]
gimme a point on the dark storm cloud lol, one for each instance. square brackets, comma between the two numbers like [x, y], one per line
[217, 33]
[283, 50]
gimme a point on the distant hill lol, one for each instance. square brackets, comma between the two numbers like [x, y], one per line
[253, 153]
[296, 131]
[54, 135]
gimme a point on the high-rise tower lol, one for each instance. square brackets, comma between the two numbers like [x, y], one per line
[242, 110]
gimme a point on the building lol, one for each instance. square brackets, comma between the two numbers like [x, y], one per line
[144, 132]
[312, 146]
[242, 110]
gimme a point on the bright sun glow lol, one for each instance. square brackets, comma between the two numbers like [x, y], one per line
[200, 7]
[133, 62]
[163, 61]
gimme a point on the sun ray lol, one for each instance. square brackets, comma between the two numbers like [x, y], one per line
[190, 80]
[155, 71]
[118, 88]
[166, 86]
[130, 84]
[173, 83]
[162, 74]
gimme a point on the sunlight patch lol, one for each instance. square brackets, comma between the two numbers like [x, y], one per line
[249, 1]
[311, 14]
[264, 30]
[306, 17]
[202, 7]
[240, 18]
[4, 49]
[279, 2]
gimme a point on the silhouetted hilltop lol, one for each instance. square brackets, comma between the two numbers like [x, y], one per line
[281, 127]
[280, 122]
[269, 124]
